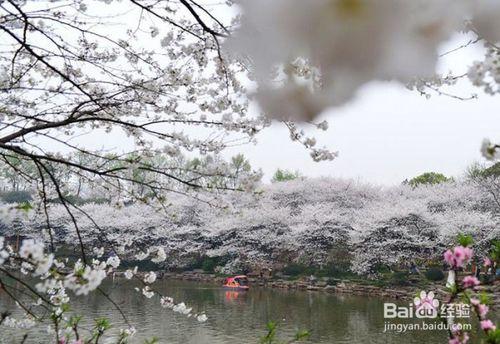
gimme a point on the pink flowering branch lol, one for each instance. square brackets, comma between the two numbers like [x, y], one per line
[457, 259]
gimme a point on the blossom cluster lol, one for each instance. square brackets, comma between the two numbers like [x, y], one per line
[348, 43]
[458, 257]
[56, 277]
[181, 308]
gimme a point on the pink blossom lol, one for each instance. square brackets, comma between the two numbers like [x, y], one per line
[449, 258]
[482, 310]
[475, 302]
[467, 251]
[487, 262]
[470, 282]
[488, 325]
[459, 257]
[457, 340]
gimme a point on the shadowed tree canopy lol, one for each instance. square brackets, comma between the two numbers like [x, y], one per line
[429, 178]
[282, 175]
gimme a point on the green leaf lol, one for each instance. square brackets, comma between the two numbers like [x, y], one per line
[465, 240]
[494, 336]
[302, 335]
[24, 206]
[102, 324]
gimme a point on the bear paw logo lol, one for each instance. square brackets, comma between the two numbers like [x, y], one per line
[426, 304]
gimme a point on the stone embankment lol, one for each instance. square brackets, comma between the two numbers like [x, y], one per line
[331, 285]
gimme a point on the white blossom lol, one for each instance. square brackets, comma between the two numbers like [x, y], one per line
[98, 251]
[160, 256]
[150, 277]
[167, 302]
[142, 255]
[147, 292]
[202, 318]
[129, 273]
[489, 151]
[113, 261]
[4, 254]
[19, 323]
[129, 332]
[182, 308]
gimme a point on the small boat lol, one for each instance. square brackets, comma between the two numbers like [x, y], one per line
[239, 283]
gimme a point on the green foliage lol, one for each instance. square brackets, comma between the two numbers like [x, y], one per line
[142, 265]
[474, 171]
[331, 269]
[429, 178]
[24, 197]
[399, 278]
[77, 200]
[335, 270]
[24, 206]
[209, 263]
[485, 298]
[100, 326]
[480, 171]
[465, 240]
[270, 337]
[382, 268]
[492, 171]
[495, 251]
[434, 274]
[74, 320]
[294, 270]
[271, 333]
[240, 163]
[15, 196]
[493, 337]
[284, 175]
[153, 340]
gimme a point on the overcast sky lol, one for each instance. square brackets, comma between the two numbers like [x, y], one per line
[389, 133]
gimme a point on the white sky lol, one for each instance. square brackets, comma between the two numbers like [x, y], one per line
[389, 133]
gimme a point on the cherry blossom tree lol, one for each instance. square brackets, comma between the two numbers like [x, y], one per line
[149, 77]
[170, 81]
[305, 221]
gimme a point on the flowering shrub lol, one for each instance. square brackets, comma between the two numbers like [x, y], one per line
[50, 299]
[457, 259]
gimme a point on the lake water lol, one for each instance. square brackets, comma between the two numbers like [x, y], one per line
[238, 317]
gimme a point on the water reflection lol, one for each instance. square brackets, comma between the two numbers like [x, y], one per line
[232, 295]
[240, 317]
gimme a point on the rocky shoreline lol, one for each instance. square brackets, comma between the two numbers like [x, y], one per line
[329, 285]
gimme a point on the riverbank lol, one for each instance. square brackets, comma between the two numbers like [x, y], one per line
[332, 285]
[329, 285]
